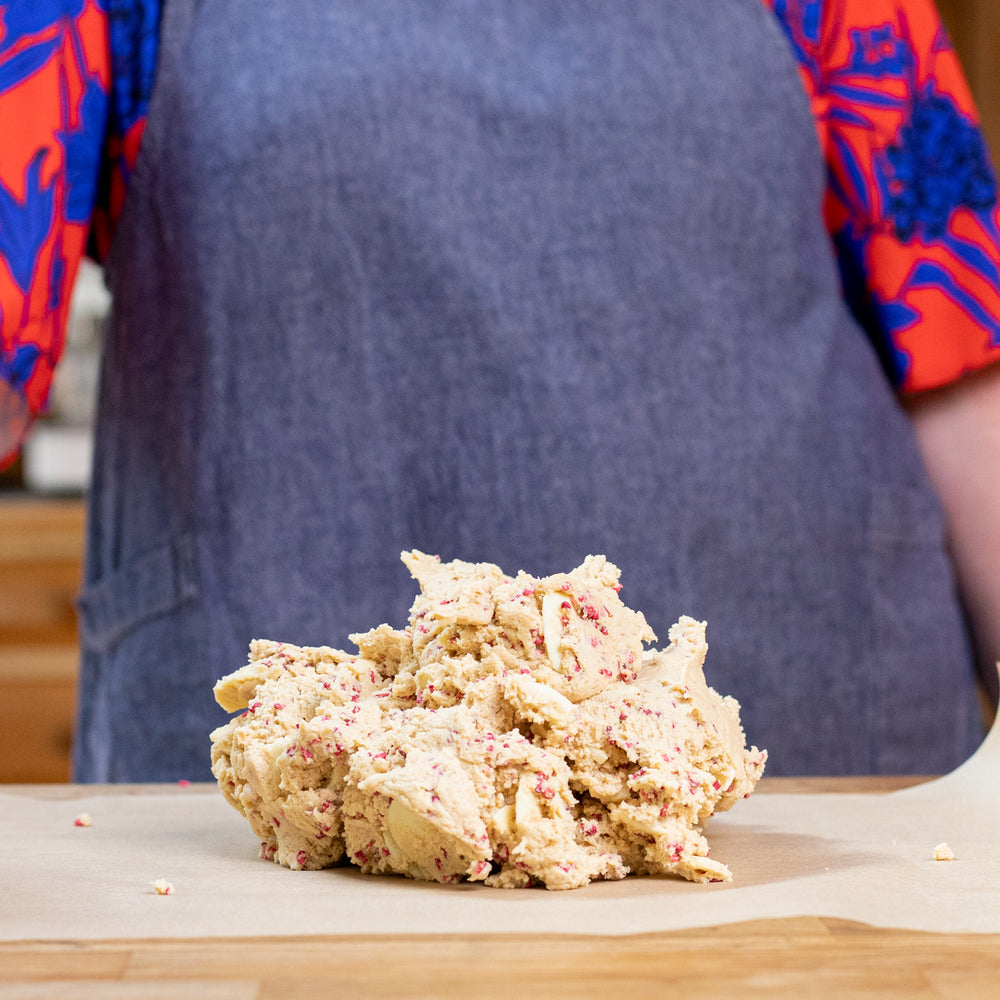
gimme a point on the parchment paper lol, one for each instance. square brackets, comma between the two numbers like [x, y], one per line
[864, 857]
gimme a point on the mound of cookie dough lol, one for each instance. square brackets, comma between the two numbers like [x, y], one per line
[517, 733]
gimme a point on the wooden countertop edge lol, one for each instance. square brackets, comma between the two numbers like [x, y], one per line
[818, 957]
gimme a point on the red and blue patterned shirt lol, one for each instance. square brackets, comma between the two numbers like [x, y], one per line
[910, 204]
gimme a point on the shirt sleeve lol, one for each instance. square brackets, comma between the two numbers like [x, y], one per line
[911, 201]
[76, 78]
[54, 80]
[134, 40]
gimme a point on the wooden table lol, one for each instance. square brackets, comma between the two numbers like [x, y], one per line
[808, 957]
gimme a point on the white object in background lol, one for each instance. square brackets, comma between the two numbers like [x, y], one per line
[57, 453]
[57, 458]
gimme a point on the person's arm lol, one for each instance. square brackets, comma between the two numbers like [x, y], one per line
[912, 211]
[958, 429]
[75, 85]
[54, 78]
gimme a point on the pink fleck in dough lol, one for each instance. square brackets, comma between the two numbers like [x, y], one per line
[516, 733]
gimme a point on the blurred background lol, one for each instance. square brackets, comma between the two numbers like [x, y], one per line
[42, 496]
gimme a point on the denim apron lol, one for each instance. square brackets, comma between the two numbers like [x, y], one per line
[511, 281]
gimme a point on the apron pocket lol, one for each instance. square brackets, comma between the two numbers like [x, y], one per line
[147, 587]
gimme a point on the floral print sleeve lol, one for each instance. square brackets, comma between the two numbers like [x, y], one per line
[911, 201]
[75, 76]
[53, 108]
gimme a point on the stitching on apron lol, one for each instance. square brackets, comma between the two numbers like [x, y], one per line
[144, 588]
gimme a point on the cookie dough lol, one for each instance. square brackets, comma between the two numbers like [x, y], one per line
[517, 733]
[943, 853]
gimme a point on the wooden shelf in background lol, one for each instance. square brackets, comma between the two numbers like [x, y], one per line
[41, 554]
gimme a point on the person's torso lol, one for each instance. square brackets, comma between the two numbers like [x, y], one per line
[514, 282]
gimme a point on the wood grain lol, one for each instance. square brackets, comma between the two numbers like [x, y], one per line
[36, 718]
[803, 957]
[41, 550]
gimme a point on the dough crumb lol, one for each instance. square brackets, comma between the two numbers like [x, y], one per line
[83, 820]
[163, 888]
[517, 733]
[943, 853]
